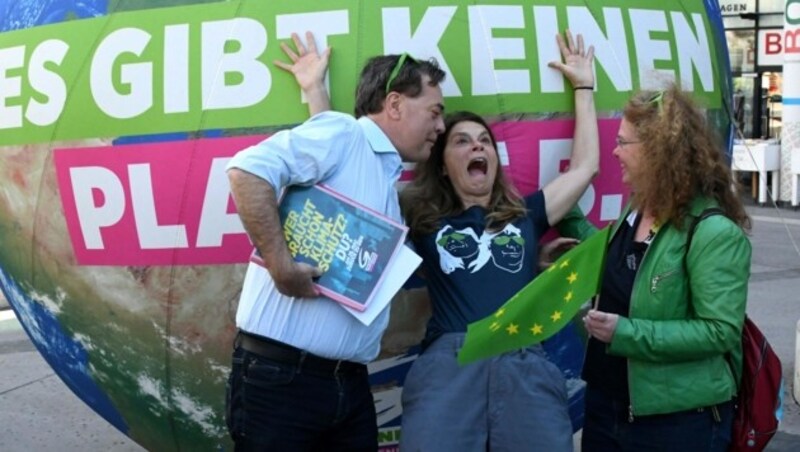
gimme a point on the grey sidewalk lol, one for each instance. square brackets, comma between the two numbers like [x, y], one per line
[774, 300]
[38, 412]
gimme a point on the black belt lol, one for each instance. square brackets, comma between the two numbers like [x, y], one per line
[287, 354]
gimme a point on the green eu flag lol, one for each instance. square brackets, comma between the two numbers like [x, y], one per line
[542, 307]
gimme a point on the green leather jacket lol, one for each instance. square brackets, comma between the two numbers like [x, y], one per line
[676, 347]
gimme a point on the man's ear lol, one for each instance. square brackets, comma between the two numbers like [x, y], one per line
[393, 105]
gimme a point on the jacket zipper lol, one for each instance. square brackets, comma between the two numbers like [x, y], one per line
[656, 279]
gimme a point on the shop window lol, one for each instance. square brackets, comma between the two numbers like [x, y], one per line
[771, 104]
[741, 48]
[743, 97]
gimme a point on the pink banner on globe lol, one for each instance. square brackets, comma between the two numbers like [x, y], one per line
[170, 204]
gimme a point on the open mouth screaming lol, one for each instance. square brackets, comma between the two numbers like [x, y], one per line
[478, 167]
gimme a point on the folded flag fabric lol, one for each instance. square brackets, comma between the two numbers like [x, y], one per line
[542, 307]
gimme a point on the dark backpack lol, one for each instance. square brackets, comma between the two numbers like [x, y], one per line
[760, 397]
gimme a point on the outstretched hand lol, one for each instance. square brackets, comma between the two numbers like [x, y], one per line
[577, 61]
[308, 65]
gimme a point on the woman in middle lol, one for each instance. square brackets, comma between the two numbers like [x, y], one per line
[479, 243]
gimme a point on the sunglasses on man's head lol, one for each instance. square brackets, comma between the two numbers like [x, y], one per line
[397, 67]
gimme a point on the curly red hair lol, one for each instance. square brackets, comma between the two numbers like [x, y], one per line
[682, 158]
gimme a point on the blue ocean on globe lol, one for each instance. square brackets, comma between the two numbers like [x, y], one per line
[21, 14]
[64, 354]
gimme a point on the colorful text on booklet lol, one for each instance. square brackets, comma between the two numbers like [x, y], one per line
[350, 243]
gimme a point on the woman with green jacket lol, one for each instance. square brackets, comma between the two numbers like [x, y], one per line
[667, 327]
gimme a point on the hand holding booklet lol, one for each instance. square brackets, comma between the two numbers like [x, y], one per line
[359, 251]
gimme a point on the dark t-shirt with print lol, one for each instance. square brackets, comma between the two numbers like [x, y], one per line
[471, 272]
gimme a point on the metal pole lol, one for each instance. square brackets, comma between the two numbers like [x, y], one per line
[790, 135]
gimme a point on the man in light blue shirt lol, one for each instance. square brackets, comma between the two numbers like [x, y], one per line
[299, 379]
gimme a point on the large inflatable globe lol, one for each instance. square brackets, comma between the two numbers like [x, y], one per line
[120, 248]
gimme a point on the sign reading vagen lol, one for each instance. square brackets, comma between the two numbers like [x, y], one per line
[209, 66]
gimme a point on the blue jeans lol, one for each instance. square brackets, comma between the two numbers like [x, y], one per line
[275, 406]
[606, 428]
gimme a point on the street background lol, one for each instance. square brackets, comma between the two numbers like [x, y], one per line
[38, 412]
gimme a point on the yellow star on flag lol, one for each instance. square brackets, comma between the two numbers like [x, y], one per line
[512, 329]
[556, 316]
[572, 277]
[536, 329]
[568, 297]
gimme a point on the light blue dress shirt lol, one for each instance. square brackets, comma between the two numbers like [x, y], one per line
[354, 158]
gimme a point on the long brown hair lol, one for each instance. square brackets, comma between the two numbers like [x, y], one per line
[681, 159]
[430, 197]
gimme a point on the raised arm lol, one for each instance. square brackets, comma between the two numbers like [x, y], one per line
[309, 68]
[565, 190]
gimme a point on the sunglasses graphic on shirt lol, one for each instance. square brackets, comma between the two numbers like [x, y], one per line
[504, 239]
[455, 236]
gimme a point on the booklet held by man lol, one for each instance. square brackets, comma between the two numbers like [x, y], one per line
[353, 245]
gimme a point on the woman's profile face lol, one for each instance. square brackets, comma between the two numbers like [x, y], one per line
[470, 160]
[628, 151]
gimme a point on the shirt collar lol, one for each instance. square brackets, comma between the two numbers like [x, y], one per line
[377, 138]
